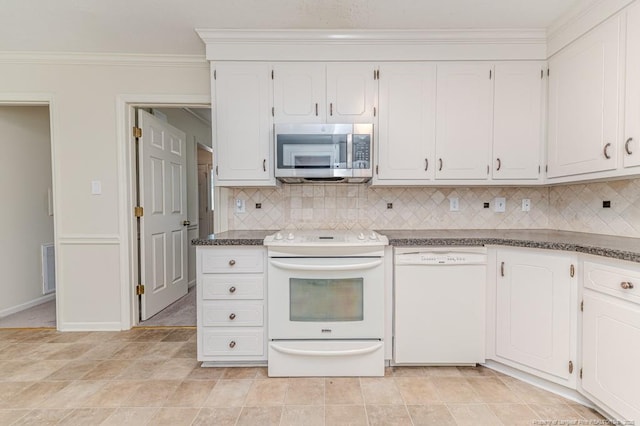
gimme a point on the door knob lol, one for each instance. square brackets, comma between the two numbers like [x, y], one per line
[186, 223]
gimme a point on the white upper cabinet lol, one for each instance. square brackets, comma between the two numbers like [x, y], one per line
[584, 95]
[299, 94]
[351, 92]
[243, 125]
[406, 130]
[536, 298]
[464, 116]
[517, 120]
[631, 141]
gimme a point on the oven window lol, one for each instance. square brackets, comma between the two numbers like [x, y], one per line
[322, 300]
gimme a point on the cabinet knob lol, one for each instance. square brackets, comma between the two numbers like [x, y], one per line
[232, 344]
[232, 262]
[232, 317]
[627, 285]
[626, 146]
[605, 151]
[232, 289]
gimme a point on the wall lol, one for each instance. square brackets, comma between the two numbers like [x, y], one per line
[569, 207]
[25, 180]
[92, 240]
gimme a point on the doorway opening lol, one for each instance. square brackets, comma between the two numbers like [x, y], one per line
[170, 157]
[27, 246]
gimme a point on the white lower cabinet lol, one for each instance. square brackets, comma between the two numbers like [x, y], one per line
[536, 313]
[231, 305]
[611, 337]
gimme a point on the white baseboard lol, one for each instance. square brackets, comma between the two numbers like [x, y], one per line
[191, 283]
[30, 304]
[90, 326]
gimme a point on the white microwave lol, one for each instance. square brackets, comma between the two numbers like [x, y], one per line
[323, 152]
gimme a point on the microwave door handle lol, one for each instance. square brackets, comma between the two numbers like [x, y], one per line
[350, 267]
[349, 151]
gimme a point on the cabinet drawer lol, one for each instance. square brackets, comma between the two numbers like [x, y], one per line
[232, 343]
[233, 314]
[613, 280]
[232, 287]
[233, 260]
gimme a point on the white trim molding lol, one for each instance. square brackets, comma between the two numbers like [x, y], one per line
[372, 45]
[89, 239]
[89, 58]
[90, 326]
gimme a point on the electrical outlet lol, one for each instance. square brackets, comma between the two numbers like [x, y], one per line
[389, 205]
[240, 206]
[606, 204]
[526, 204]
[485, 205]
[454, 204]
[499, 204]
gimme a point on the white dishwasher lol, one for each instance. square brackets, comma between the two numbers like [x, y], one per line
[439, 305]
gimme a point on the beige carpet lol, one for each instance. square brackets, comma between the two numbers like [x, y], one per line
[42, 315]
[182, 312]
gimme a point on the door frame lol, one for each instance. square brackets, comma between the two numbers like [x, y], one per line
[126, 118]
[46, 99]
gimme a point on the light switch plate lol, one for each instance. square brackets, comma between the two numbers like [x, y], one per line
[499, 204]
[240, 206]
[96, 187]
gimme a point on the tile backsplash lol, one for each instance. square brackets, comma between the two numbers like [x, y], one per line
[345, 206]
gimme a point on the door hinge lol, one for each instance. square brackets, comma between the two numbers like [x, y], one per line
[214, 74]
[570, 367]
[572, 271]
[137, 132]
[582, 306]
[581, 373]
[139, 290]
[138, 211]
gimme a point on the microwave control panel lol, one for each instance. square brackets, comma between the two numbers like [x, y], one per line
[361, 152]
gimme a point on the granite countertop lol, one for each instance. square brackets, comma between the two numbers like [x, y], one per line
[623, 248]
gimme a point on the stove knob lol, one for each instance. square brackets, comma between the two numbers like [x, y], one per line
[373, 236]
[290, 236]
[278, 236]
[361, 236]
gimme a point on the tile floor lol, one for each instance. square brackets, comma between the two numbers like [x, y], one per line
[151, 376]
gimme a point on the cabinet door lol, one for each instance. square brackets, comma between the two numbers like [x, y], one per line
[535, 307]
[631, 139]
[299, 92]
[243, 99]
[463, 120]
[407, 121]
[517, 120]
[584, 86]
[610, 353]
[351, 92]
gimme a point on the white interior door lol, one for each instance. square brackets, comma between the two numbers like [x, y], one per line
[163, 227]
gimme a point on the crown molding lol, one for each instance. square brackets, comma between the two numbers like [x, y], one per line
[579, 20]
[374, 44]
[121, 59]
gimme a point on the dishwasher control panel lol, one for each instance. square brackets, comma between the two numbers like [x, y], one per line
[440, 258]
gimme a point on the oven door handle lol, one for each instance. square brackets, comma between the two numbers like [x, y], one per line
[349, 267]
[348, 352]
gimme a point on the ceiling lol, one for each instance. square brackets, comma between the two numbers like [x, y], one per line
[167, 26]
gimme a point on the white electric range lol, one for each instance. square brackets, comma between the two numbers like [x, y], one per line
[325, 297]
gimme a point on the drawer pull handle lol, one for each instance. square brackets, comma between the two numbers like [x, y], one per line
[626, 146]
[626, 285]
[232, 344]
[502, 269]
[232, 289]
[232, 316]
[232, 262]
[605, 151]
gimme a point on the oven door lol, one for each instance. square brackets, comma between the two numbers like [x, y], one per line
[326, 298]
